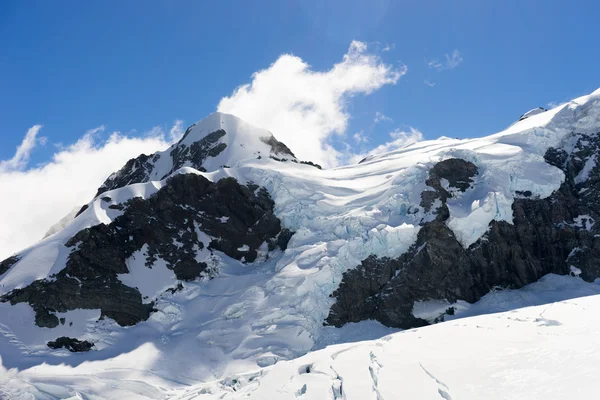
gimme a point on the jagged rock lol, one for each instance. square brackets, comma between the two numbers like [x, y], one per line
[9, 262]
[459, 174]
[547, 236]
[175, 289]
[312, 164]
[277, 147]
[284, 238]
[197, 152]
[139, 169]
[531, 113]
[81, 210]
[238, 218]
[71, 344]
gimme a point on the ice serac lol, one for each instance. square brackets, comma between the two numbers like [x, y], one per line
[218, 141]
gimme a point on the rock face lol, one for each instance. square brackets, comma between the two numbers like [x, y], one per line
[73, 345]
[6, 264]
[138, 170]
[172, 225]
[553, 235]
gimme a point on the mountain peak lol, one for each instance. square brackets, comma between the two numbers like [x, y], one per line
[218, 141]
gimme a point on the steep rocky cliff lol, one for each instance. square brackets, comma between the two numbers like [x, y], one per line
[557, 235]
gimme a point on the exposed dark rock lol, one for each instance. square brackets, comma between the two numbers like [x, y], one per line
[547, 236]
[43, 317]
[277, 147]
[525, 193]
[282, 240]
[71, 344]
[312, 164]
[135, 170]
[9, 262]
[459, 174]
[81, 210]
[187, 132]
[239, 219]
[195, 154]
[106, 199]
[295, 161]
[175, 289]
[138, 170]
[532, 112]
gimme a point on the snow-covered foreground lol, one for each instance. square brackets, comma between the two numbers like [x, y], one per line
[549, 351]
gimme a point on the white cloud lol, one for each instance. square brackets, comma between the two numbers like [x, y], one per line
[303, 107]
[428, 83]
[435, 64]
[21, 157]
[35, 198]
[400, 139]
[450, 61]
[176, 132]
[360, 137]
[453, 60]
[380, 117]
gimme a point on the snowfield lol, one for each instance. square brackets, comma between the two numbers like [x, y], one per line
[549, 351]
[249, 332]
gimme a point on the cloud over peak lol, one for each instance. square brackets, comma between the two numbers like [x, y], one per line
[305, 108]
[35, 198]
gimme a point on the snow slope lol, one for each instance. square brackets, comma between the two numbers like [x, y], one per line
[548, 351]
[259, 314]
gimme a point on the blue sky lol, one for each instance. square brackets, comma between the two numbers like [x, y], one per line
[130, 65]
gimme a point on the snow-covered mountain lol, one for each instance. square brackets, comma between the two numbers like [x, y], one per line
[198, 271]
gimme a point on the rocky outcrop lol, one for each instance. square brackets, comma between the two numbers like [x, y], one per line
[553, 235]
[71, 344]
[236, 219]
[277, 147]
[531, 113]
[140, 169]
[135, 170]
[8, 263]
[456, 172]
[195, 154]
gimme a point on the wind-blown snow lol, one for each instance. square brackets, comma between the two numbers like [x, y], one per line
[257, 315]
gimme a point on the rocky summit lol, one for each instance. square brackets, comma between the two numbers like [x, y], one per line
[226, 254]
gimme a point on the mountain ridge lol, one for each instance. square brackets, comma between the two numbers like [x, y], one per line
[438, 222]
